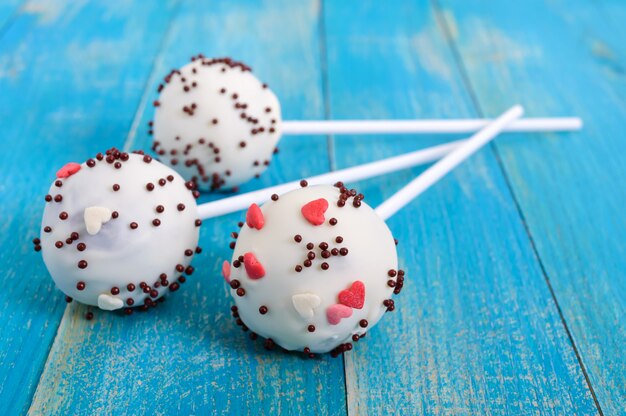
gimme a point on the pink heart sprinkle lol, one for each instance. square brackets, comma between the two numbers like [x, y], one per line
[254, 217]
[254, 268]
[335, 313]
[353, 297]
[314, 211]
[226, 271]
[68, 170]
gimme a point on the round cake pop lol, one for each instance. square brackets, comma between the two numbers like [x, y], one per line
[215, 123]
[313, 270]
[119, 230]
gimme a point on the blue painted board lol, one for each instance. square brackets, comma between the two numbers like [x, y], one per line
[513, 260]
[65, 94]
[188, 356]
[570, 191]
[476, 330]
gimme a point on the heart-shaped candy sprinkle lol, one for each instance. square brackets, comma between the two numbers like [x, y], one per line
[335, 313]
[226, 271]
[95, 217]
[254, 268]
[353, 297]
[254, 217]
[109, 303]
[314, 211]
[305, 303]
[68, 170]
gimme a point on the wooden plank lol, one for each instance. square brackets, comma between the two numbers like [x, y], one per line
[564, 57]
[476, 330]
[188, 356]
[70, 77]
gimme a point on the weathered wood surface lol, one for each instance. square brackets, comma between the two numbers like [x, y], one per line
[514, 302]
[563, 57]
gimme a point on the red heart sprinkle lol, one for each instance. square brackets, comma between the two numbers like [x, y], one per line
[254, 269]
[68, 170]
[336, 312]
[353, 297]
[254, 217]
[226, 271]
[314, 211]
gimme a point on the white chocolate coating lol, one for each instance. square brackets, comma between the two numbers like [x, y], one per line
[216, 123]
[295, 300]
[117, 255]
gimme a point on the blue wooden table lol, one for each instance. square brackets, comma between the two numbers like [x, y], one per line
[515, 296]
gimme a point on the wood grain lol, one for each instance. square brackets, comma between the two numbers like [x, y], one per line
[570, 191]
[65, 94]
[514, 301]
[188, 356]
[476, 330]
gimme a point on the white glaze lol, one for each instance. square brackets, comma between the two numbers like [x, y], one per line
[117, 255]
[236, 164]
[372, 253]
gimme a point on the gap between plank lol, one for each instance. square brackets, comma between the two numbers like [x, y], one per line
[456, 56]
[330, 141]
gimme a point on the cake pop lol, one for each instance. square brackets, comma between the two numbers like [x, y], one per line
[218, 125]
[313, 270]
[119, 230]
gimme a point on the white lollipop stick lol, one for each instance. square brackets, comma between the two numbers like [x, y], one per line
[431, 175]
[368, 170]
[425, 126]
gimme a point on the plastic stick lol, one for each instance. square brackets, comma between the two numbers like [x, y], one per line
[434, 173]
[425, 126]
[368, 170]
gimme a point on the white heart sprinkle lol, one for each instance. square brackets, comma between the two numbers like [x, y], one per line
[109, 303]
[305, 303]
[95, 217]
